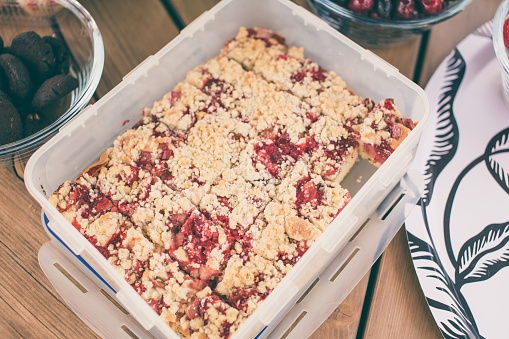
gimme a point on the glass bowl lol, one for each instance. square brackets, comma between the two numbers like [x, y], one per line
[370, 32]
[498, 44]
[70, 22]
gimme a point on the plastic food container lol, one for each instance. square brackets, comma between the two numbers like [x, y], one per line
[70, 22]
[372, 32]
[498, 44]
[83, 140]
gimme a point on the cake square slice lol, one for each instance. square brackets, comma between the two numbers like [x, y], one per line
[251, 45]
[80, 202]
[221, 136]
[330, 150]
[314, 199]
[234, 202]
[190, 171]
[201, 247]
[247, 280]
[263, 162]
[179, 109]
[382, 132]
[144, 145]
[281, 236]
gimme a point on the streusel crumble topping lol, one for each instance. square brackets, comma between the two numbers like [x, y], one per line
[209, 201]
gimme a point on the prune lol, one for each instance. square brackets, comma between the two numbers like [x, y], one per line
[18, 77]
[34, 122]
[10, 123]
[34, 78]
[5, 96]
[36, 53]
[61, 54]
[54, 88]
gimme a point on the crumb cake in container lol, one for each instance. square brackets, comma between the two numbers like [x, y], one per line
[209, 201]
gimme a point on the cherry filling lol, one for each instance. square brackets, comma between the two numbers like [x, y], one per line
[316, 73]
[80, 196]
[156, 305]
[236, 236]
[223, 219]
[312, 116]
[115, 241]
[162, 172]
[145, 159]
[389, 104]
[379, 153]
[369, 104]
[240, 299]
[173, 97]
[267, 35]
[216, 88]
[199, 238]
[408, 123]
[176, 221]
[395, 130]
[308, 194]
[270, 156]
[302, 247]
[285, 144]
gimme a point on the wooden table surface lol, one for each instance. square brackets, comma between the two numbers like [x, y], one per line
[386, 303]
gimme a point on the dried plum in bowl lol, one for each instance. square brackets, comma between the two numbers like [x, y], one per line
[64, 43]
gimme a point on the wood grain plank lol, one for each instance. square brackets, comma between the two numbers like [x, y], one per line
[132, 30]
[190, 10]
[344, 321]
[403, 57]
[446, 35]
[29, 305]
[398, 308]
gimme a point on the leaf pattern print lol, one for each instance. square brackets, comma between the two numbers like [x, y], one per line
[498, 149]
[483, 255]
[458, 322]
[445, 142]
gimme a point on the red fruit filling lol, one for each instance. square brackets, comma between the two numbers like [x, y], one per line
[95, 205]
[173, 97]
[270, 156]
[316, 73]
[294, 258]
[308, 194]
[379, 153]
[266, 35]
[240, 298]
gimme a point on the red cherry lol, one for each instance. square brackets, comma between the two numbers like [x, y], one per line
[506, 33]
[432, 7]
[361, 6]
[405, 9]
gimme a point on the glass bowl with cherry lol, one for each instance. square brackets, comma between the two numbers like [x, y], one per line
[501, 43]
[385, 23]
